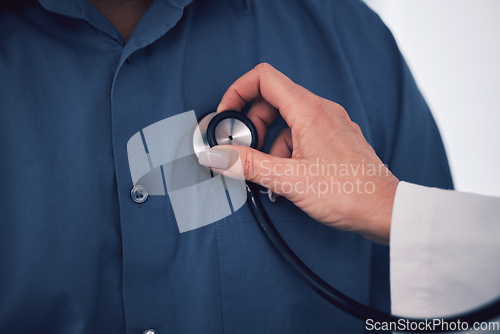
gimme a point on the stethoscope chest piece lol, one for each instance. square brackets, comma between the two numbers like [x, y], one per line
[226, 128]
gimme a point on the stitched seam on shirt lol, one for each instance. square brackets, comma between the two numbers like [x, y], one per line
[115, 67]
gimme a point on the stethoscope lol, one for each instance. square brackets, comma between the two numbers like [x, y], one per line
[234, 128]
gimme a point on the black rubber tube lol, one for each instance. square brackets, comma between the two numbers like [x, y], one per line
[340, 300]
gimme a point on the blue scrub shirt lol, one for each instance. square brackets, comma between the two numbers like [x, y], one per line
[77, 255]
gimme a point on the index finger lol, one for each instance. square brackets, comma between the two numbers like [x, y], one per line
[266, 81]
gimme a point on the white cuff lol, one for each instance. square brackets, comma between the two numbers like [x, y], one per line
[444, 250]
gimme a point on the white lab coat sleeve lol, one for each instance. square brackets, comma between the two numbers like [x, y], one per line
[444, 251]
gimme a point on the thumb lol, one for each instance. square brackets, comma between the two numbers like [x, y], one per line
[238, 161]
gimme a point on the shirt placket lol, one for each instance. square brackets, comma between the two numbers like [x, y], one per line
[148, 229]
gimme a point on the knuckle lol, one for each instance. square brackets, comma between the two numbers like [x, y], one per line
[341, 112]
[249, 168]
[263, 67]
[355, 126]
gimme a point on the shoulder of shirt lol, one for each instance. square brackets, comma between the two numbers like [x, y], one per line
[356, 11]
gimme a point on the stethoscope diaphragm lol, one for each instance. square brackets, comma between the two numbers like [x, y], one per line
[225, 128]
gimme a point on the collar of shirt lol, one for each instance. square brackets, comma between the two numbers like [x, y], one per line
[160, 18]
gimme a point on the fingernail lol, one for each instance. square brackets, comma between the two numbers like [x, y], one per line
[220, 158]
[271, 195]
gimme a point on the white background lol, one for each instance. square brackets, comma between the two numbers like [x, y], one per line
[453, 50]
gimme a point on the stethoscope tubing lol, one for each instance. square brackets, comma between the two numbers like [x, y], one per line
[337, 298]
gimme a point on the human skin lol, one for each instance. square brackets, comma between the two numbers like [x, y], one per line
[124, 14]
[320, 134]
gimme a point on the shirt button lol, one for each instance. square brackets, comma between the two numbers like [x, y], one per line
[139, 195]
[149, 331]
[129, 59]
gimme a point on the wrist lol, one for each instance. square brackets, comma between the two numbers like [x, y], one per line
[377, 214]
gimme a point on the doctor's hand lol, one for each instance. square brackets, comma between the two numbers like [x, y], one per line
[322, 162]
